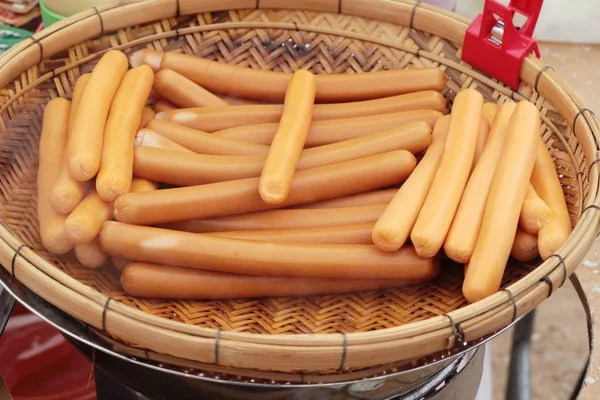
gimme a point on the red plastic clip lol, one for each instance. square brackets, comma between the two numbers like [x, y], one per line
[495, 46]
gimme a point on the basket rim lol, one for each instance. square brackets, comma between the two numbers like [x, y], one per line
[499, 309]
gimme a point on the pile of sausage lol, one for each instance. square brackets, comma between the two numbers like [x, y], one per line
[247, 183]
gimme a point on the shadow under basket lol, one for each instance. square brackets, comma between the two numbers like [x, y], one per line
[319, 335]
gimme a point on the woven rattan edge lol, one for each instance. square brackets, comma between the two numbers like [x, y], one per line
[190, 366]
[111, 8]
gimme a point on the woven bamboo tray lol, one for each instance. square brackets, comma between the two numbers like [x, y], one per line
[322, 334]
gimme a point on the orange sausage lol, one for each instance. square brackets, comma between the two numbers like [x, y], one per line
[87, 135]
[271, 86]
[462, 237]
[142, 185]
[66, 192]
[414, 137]
[525, 246]
[148, 138]
[442, 201]
[90, 255]
[76, 99]
[484, 129]
[163, 106]
[53, 142]
[205, 143]
[547, 185]
[241, 196]
[193, 250]
[137, 185]
[335, 130]
[535, 214]
[119, 263]
[182, 92]
[343, 234]
[504, 203]
[395, 224]
[218, 118]
[114, 176]
[489, 111]
[238, 101]
[168, 282]
[383, 196]
[148, 115]
[212, 119]
[280, 165]
[84, 223]
[284, 219]
[189, 169]
[195, 169]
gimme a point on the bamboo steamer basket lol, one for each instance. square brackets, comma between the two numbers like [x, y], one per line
[317, 335]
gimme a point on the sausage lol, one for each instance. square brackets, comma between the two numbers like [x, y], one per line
[90, 255]
[395, 224]
[142, 185]
[363, 86]
[189, 169]
[335, 130]
[148, 115]
[484, 129]
[84, 223]
[271, 86]
[414, 137]
[489, 111]
[53, 142]
[461, 239]
[86, 137]
[383, 196]
[137, 185]
[218, 118]
[205, 143]
[238, 101]
[212, 119]
[152, 99]
[163, 106]
[66, 192]
[148, 138]
[342, 234]
[504, 203]
[194, 250]
[424, 100]
[182, 92]
[168, 282]
[119, 263]
[241, 196]
[441, 203]
[284, 219]
[80, 85]
[280, 164]
[332, 131]
[116, 167]
[195, 169]
[525, 246]
[535, 214]
[547, 185]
